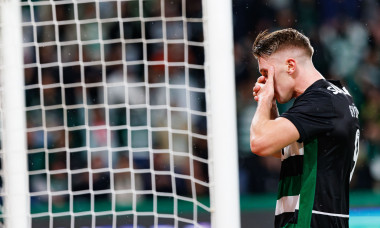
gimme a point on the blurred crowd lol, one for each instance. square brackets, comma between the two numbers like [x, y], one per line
[104, 112]
[346, 39]
[106, 105]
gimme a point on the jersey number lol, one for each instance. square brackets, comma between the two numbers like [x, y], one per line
[356, 152]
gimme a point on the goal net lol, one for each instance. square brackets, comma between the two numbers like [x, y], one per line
[118, 114]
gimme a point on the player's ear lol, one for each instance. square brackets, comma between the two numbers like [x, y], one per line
[291, 65]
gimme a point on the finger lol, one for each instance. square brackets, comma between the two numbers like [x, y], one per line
[259, 85]
[261, 79]
[256, 88]
[270, 75]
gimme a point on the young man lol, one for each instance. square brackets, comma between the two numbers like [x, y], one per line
[317, 139]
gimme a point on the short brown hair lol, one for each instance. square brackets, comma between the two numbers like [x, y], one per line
[268, 43]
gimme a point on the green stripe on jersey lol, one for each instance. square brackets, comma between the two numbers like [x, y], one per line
[309, 178]
[289, 186]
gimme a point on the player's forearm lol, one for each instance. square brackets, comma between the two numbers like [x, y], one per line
[262, 122]
[275, 114]
[262, 115]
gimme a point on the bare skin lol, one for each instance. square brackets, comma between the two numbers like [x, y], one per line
[286, 74]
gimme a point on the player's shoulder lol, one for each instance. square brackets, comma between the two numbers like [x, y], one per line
[325, 89]
[316, 92]
[335, 87]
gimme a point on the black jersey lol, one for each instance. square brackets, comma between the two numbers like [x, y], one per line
[316, 171]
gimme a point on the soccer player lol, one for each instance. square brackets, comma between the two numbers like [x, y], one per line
[317, 139]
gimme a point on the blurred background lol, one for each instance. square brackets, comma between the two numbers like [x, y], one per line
[346, 39]
[85, 107]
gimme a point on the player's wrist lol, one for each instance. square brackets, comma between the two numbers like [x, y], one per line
[266, 104]
[267, 100]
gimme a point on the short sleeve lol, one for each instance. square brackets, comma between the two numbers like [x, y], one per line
[312, 114]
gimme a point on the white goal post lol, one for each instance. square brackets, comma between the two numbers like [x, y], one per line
[222, 92]
[13, 127]
[118, 113]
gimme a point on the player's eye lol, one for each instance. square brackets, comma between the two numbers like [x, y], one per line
[264, 72]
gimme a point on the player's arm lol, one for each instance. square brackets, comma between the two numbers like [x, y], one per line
[273, 115]
[268, 136]
[269, 133]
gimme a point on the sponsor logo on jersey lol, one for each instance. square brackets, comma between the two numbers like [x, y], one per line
[336, 90]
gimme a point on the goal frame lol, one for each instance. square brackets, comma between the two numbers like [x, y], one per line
[14, 150]
[219, 66]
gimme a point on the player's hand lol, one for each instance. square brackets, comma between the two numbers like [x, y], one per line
[260, 82]
[264, 87]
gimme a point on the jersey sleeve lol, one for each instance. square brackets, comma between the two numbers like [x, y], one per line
[312, 114]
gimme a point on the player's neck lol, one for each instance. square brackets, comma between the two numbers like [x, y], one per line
[305, 80]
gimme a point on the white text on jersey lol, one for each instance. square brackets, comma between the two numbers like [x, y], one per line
[354, 111]
[335, 89]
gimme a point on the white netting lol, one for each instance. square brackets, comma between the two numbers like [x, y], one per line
[116, 113]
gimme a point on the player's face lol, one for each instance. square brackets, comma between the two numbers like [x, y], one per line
[283, 82]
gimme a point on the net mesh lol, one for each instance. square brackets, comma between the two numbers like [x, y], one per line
[116, 113]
